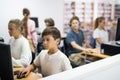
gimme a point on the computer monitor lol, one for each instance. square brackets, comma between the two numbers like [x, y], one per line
[6, 69]
[35, 19]
[118, 31]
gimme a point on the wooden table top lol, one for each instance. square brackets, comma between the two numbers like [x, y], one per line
[31, 76]
[96, 53]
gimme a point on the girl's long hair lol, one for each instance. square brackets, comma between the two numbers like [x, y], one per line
[26, 14]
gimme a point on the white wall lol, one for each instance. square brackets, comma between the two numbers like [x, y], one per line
[39, 8]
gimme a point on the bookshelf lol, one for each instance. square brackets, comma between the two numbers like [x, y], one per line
[105, 10]
[85, 12]
[117, 11]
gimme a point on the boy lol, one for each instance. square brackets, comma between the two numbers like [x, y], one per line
[51, 60]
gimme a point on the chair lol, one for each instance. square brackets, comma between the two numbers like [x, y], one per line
[93, 42]
[1, 39]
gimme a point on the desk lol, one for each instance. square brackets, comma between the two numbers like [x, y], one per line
[110, 48]
[31, 76]
[96, 53]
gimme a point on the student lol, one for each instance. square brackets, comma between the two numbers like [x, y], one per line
[51, 60]
[74, 41]
[112, 31]
[100, 34]
[75, 37]
[20, 50]
[29, 31]
[49, 22]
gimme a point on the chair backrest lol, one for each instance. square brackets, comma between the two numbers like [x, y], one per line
[1, 39]
[93, 42]
[66, 48]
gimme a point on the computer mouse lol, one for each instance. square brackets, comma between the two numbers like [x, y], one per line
[21, 75]
[16, 72]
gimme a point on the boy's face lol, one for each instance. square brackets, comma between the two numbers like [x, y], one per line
[75, 24]
[49, 42]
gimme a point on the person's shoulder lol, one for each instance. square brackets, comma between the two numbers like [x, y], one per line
[31, 21]
[43, 53]
[11, 39]
[96, 30]
[61, 54]
[23, 38]
[70, 32]
[80, 30]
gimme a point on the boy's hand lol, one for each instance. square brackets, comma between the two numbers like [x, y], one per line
[25, 71]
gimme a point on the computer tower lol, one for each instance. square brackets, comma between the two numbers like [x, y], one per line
[110, 49]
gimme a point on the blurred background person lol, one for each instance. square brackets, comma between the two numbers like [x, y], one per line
[49, 22]
[29, 31]
[100, 34]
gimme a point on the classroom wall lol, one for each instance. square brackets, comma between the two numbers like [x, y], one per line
[42, 9]
[39, 8]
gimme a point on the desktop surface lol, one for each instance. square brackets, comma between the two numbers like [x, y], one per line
[31, 76]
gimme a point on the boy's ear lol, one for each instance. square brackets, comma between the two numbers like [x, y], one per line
[58, 41]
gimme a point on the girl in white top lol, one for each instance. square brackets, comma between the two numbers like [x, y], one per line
[51, 60]
[100, 34]
[20, 49]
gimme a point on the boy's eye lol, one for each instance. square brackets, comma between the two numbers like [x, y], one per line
[46, 39]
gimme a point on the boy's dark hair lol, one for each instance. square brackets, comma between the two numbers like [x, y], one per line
[74, 18]
[52, 31]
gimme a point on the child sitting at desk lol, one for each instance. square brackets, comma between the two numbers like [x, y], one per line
[20, 49]
[51, 60]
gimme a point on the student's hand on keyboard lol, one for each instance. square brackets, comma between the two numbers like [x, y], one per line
[19, 75]
[22, 75]
[24, 72]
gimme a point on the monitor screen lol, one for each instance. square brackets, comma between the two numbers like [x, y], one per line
[6, 69]
[118, 31]
[35, 19]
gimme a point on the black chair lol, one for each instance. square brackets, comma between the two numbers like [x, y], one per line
[93, 42]
[1, 39]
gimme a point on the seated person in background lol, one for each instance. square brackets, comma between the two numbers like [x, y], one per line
[100, 34]
[20, 49]
[112, 31]
[49, 22]
[75, 39]
[51, 60]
